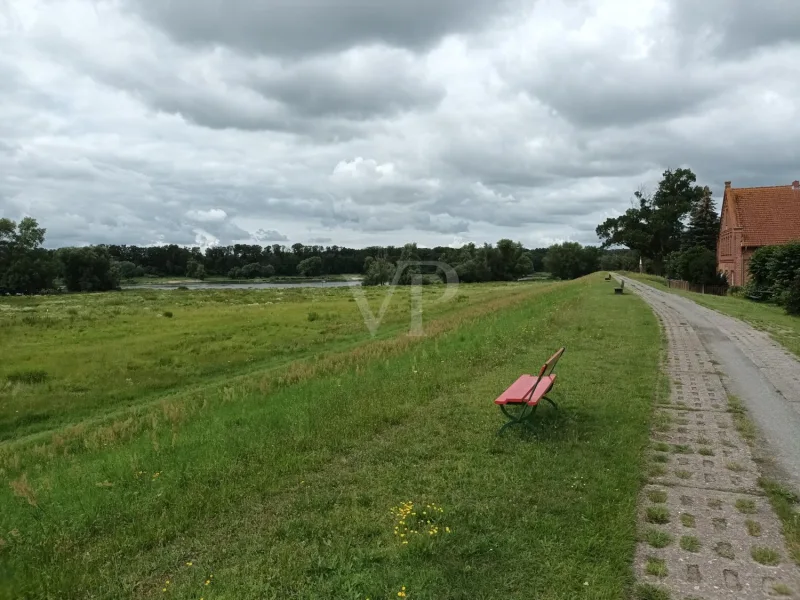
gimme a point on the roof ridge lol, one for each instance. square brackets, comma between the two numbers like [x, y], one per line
[763, 187]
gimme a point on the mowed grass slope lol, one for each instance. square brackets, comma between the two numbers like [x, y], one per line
[289, 493]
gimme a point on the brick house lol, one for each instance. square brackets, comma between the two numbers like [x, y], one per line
[751, 218]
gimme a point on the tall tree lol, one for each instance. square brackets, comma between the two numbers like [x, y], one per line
[655, 227]
[570, 260]
[25, 267]
[310, 267]
[87, 269]
[408, 261]
[703, 229]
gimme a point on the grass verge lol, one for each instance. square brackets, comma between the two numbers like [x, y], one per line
[296, 492]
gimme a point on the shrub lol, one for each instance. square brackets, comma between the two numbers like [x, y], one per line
[773, 270]
[759, 267]
[251, 271]
[792, 299]
[695, 265]
[87, 269]
[126, 269]
[736, 291]
[310, 267]
[195, 270]
[167, 313]
[313, 316]
[570, 260]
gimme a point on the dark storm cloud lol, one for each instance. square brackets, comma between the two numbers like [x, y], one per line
[321, 97]
[592, 95]
[302, 27]
[356, 85]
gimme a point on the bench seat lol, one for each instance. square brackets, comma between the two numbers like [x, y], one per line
[518, 392]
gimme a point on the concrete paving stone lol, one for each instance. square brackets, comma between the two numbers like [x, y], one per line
[682, 421]
[709, 473]
[698, 391]
[722, 566]
[699, 442]
[685, 361]
[715, 511]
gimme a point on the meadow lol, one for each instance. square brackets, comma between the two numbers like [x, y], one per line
[262, 444]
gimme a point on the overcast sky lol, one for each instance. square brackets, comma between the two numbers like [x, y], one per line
[361, 122]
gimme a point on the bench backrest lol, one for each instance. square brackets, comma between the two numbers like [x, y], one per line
[550, 365]
[547, 369]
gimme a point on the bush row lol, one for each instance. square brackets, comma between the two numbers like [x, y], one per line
[775, 275]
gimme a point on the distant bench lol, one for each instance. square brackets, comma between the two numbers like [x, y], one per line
[526, 392]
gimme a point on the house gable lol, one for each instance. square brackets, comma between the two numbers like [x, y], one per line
[728, 218]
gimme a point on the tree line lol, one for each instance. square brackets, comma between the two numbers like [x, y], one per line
[28, 268]
[674, 230]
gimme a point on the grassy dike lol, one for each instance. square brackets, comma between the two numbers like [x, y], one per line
[289, 492]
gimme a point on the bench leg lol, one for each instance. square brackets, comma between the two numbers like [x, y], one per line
[551, 402]
[523, 417]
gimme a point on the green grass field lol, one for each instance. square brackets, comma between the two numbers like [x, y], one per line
[772, 319]
[253, 451]
[177, 279]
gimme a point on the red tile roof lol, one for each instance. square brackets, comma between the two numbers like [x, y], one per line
[767, 215]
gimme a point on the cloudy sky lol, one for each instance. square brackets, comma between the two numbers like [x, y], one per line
[362, 122]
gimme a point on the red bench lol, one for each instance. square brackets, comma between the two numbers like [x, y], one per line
[519, 401]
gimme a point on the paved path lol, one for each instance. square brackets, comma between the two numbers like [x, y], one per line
[760, 372]
[707, 530]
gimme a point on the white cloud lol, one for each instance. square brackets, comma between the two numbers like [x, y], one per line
[214, 215]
